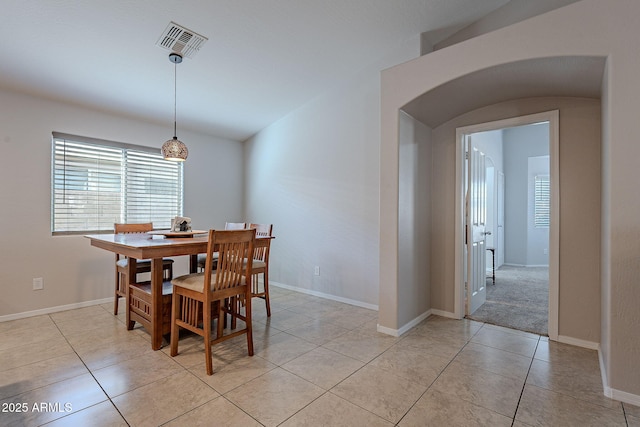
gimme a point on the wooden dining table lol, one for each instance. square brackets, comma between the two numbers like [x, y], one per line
[156, 246]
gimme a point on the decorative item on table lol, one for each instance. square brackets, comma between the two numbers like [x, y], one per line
[181, 223]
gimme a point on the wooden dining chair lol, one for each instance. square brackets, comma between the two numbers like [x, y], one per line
[260, 265]
[227, 226]
[198, 298]
[142, 265]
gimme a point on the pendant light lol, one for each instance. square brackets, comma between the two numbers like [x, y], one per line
[174, 149]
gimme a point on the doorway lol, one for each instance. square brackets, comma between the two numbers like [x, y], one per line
[516, 268]
[491, 233]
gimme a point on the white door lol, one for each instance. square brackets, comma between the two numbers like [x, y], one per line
[476, 217]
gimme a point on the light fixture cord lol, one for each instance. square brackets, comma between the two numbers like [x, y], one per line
[175, 95]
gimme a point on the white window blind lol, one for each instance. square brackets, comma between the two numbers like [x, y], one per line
[97, 183]
[542, 200]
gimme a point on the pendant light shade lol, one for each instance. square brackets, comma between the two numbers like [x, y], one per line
[174, 149]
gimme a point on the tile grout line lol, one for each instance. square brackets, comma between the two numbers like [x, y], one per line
[441, 372]
[221, 395]
[281, 366]
[92, 376]
[186, 369]
[624, 412]
[340, 382]
[329, 390]
[525, 383]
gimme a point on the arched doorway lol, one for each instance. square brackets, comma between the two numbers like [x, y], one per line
[465, 100]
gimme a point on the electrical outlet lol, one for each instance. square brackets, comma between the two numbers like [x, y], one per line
[316, 271]
[546, 251]
[38, 283]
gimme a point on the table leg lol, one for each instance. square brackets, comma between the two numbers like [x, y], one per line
[156, 303]
[132, 278]
[193, 263]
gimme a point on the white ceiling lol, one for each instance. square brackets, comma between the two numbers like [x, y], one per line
[264, 58]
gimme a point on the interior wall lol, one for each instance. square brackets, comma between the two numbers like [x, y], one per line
[537, 237]
[314, 174]
[414, 219]
[72, 270]
[520, 144]
[622, 230]
[512, 12]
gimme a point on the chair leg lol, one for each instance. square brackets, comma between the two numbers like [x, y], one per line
[233, 307]
[266, 292]
[206, 324]
[222, 318]
[175, 329]
[249, 325]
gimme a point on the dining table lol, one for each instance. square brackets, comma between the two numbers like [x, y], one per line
[155, 246]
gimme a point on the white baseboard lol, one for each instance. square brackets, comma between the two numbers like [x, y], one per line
[579, 343]
[443, 313]
[56, 309]
[388, 331]
[523, 265]
[405, 327]
[612, 393]
[381, 329]
[622, 396]
[603, 375]
[326, 296]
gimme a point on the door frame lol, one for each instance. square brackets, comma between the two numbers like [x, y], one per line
[553, 118]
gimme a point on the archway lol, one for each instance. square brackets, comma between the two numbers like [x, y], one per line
[455, 99]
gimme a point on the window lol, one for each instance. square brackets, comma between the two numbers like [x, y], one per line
[542, 200]
[97, 183]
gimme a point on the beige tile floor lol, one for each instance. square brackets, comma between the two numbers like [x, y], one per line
[316, 362]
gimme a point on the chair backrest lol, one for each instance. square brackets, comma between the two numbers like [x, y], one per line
[232, 270]
[262, 230]
[132, 228]
[235, 226]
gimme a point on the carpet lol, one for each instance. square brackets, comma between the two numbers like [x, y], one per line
[518, 300]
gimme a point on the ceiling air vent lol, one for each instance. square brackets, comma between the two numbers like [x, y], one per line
[181, 40]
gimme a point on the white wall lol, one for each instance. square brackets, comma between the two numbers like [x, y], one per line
[314, 174]
[512, 12]
[537, 237]
[414, 225]
[521, 143]
[73, 271]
